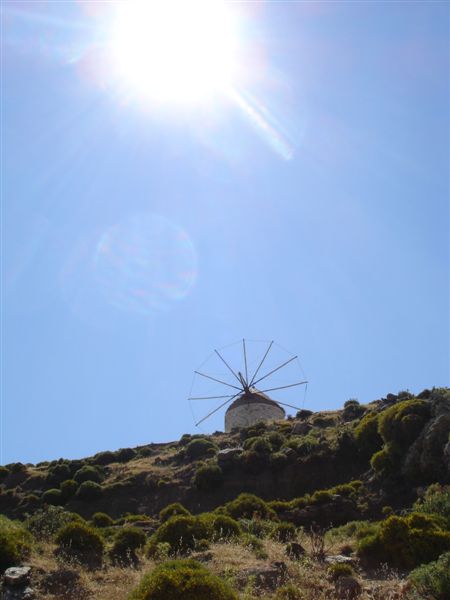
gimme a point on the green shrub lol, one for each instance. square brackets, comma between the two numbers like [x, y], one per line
[173, 509]
[58, 473]
[367, 437]
[253, 462]
[436, 501]
[225, 527]
[181, 532]
[44, 523]
[403, 422]
[100, 519]
[68, 488]
[261, 445]
[337, 570]
[386, 461]
[208, 477]
[284, 532]
[88, 473]
[289, 592]
[53, 497]
[126, 542]
[199, 448]
[245, 506]
[352, 410]
[278, 460]
[4, 472]
[405, 542]
[104, 458]
[125, 454]
[321, 497]
[304, 414]
[276, 440]
[79, 541]
[15, 543]
[89, 490]
[432, 581]
[184, 579]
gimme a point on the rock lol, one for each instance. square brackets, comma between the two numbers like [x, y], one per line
[340, 559]
[203, 556]
[295, 550]
[301, 428]
[347, 588]
[269, 578]
[425, 456]
[17, 576]
[226, 456]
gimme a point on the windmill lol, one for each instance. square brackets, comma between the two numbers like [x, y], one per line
[248, 375]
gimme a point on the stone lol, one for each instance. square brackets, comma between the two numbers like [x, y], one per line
[17, 576]
[347, 588]
[340, 559]
[270, 577]
[228, 454]
[301, 428]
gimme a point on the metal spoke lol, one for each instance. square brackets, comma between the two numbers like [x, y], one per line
[260, 364]
[215, 410]
[245, 363]
[209, 397]
[218, 380]
[290, 405]
[227, 365]
[274, 370]
[282, 387]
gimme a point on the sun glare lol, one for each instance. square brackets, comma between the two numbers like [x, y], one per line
[175, 51]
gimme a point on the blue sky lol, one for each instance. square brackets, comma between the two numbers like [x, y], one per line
[138, 237]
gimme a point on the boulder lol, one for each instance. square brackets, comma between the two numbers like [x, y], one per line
[347, 588]
[340, 559]
[270, 577]
[15, 576]
[301, 428]
[227, 455]
[18, 593]
[425, 459]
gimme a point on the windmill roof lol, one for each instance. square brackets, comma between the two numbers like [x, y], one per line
[253, 397]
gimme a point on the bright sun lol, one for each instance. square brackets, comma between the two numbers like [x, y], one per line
[174, 51]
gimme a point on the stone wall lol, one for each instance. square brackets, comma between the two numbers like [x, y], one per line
[249, 414]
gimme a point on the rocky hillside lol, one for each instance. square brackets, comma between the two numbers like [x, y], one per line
[284, 491]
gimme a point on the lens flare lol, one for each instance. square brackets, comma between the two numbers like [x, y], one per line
[145, 264]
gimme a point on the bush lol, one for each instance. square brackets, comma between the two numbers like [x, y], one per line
[181, 532]
[53, 497]
[225, 527]
[303, 414]
[15, 543]
[4, 472]
[58, 473]
[386, 460]
[125, 454]
[185, 579]
[253, 462]
[199, 448]
[79, 541]
[284, 532]
[100, 519]
[208, 477]
[432, 581]
[46, 522]
[367, 437]
[321, 497]
[126, 542]
[278, 460]
[173, 509]
[405, 542]
[436, 502]
[352, 410]
[339, 570]
[88, 473]
[245, 506]
[68, 488]
[89, 490]
[104, 458]
[403, 422]
[254, 544]
[289, 592]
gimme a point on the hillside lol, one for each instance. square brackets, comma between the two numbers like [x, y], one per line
[348, 483]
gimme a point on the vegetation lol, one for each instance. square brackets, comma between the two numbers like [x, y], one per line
[181, 532]
[171, 510]
[126, 542]
[208, 477]
[100, 519]
[15, 543]
[89, 490]
[81, 542]
[185, 579]
[432, 580]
